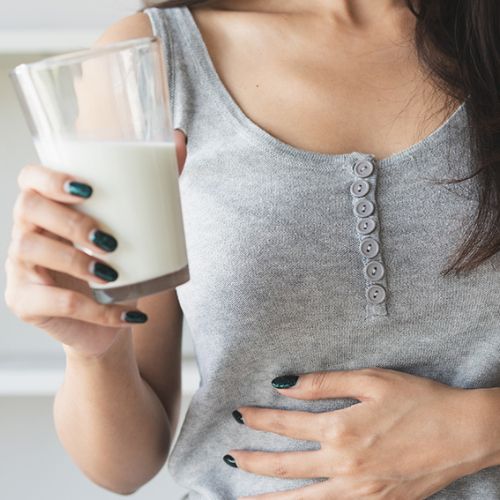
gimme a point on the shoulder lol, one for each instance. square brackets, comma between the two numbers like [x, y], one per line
[133, 26]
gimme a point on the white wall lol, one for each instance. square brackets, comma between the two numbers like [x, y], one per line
[63, 14]
[33, 464]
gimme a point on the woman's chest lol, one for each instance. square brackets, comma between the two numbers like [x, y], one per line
[272, 234]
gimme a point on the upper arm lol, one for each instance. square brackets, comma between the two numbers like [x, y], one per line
[134, 26]
[157, 343]
[158, 349]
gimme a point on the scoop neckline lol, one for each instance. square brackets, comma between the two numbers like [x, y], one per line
[248, 125]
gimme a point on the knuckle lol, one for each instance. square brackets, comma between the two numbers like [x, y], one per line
[279, 469]
[109, 315]
[340, 431]
[29, 200]
[276, 421]
[55, 182]
[372, 488]
[319, 383]
[19, 246]
[10, 267]
[74, 260]
[23, 203]
[374, 379]
[69, 302]
[336, 429]
[78, 224]
[351, 465]
[23, 173]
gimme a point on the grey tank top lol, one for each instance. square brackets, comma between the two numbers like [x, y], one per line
[303, 261]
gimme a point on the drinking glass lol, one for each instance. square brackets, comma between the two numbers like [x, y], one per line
[103, 114]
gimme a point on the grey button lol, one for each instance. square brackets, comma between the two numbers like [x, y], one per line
[374, 270]
[360, 187]
[363, 168]
[375, 294]
[364, 208]
[366, 226]
[369, 247]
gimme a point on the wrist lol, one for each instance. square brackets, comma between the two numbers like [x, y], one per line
[120, 346]
[483, 407]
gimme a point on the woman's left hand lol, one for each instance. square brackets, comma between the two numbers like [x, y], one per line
[408, 437]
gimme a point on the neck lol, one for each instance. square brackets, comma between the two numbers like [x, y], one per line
[358, 12]
[355, 14]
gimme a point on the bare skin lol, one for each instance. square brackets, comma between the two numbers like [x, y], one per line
[322, 77]
[328, 76]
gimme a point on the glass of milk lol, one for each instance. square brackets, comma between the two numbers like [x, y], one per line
[103, 114]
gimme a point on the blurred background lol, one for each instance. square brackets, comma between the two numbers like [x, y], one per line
[33, 464]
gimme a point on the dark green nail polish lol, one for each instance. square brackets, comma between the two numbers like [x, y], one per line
[103, 240]
[78, 189]
[229, 460]
[285, 381]
[105, 272]
[135, 317]
[238, 416]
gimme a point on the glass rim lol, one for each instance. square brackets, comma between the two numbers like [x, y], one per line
[84, 54]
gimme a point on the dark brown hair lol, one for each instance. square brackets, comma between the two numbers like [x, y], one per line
[459, 42]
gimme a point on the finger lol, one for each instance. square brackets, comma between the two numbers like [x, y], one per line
[50, 301]
[53, 184]
[316, 491]
[360, 384]
[287, 464]
[294, 424]
[19, 228]
[64, 221]
[180, 140]
[337, 487]
[23, 226]
[37, 249]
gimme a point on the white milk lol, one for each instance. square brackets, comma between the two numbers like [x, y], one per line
[135, 198]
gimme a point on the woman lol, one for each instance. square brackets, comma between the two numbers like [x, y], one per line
[343, 302]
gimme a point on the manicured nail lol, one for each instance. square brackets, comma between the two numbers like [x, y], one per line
[103, 240]
[229, 460]
[238, 416]
[78, 189]
[134, 317]
[285, 381]
[103, 271]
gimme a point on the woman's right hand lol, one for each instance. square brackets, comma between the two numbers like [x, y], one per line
[47, 276]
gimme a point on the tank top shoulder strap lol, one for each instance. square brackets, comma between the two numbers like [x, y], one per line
[183, 51]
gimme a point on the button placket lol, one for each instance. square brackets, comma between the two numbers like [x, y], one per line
[362, 191]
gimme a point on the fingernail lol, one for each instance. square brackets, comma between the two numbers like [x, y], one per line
[103, 271]
[78, 189]
[103, 240]
[134, 317]
[238, 416]
[285, 381]
[229, 460]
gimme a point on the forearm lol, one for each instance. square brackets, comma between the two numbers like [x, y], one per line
[109, 419]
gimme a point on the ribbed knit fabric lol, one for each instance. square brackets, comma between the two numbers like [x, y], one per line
[278, 281]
